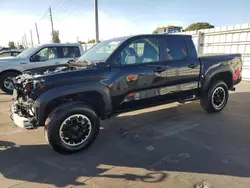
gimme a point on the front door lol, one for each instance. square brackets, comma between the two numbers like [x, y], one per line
[67, 53]
[141, 72]
[183, 67]
[45, 57]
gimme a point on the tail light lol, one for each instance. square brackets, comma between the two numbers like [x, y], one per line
[237, 74]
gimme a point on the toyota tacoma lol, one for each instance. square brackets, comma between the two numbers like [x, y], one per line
[119, 75]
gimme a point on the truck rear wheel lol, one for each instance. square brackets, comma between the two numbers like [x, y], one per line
[215, 99]
[71, 128]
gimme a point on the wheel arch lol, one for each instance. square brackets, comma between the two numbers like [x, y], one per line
[93, 94]
[10, 70]
[223, 75]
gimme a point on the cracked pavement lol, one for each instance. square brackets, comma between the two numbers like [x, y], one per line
[171, 145]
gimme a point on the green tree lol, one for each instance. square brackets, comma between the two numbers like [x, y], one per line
[91, 41]
[12, 45]
[199, 25]
[81, 42]
[155, 32]
[55, 37]
[20, 47]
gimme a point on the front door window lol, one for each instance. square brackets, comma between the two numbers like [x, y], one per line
[141, 51]
[45, 54]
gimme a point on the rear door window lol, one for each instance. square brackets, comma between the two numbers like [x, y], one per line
[15, 53]
[176, 48]
[70, 52]
[5, 54]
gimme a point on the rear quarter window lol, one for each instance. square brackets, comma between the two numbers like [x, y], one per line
[176, 48]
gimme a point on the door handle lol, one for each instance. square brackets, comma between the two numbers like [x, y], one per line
[57, 63]
[192, 66]
[23, 63]
[159, 69]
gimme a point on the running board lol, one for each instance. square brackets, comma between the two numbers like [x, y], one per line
[190, 98]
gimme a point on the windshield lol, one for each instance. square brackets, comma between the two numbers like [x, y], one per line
[101, 51]
[26, 52]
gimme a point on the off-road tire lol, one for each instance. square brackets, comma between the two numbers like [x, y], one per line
[207, 97]
[55, 120]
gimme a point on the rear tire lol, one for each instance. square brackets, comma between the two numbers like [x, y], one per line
[215, 99]
[5, 79]
[71, 127]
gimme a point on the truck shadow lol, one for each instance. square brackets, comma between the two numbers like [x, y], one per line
[144, 146]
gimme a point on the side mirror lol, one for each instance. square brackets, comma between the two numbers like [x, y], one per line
[35, 58]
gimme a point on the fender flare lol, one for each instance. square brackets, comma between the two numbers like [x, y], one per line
[44, 99]
[213, 72]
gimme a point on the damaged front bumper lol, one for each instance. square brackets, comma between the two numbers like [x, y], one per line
[21, 121]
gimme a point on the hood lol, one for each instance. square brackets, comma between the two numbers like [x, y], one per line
[72, 77]
[10, 60]
[9, 57]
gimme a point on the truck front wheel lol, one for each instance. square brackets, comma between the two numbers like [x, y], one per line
[6, 83]
[71, 128]
[215, 99]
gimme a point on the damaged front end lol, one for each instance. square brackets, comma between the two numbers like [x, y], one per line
[27, 88]
[23, 110]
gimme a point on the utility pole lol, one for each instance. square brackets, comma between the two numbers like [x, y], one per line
[22, 41]
[51, 20]
[96, 22]
[37, 34]
[25, 40]
[77, 39]
[31, 38]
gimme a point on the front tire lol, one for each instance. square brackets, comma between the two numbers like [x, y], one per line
[215, 99]
[72, 127]
[6, 84]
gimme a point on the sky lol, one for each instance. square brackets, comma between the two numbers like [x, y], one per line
[75, 18]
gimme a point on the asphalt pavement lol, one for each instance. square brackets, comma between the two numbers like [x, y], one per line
[168, 146]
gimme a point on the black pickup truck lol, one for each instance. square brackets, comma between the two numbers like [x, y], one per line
[119, 75]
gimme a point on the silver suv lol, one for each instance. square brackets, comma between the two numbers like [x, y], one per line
[36, 57]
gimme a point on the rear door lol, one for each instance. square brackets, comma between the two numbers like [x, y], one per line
[183, 67]
[67, 53]
[141, 72]
[14, 54]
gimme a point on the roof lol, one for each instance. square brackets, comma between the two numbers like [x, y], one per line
[169, 34]
[60, 44]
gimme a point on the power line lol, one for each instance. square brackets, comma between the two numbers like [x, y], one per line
[59, 5]
[44, 16]
[63, 12]
[62, 17]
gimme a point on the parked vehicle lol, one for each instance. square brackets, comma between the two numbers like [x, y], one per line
[121, 75]
[36, 57]
[9, 53]
[3, 48]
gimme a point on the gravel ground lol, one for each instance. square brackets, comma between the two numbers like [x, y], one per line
[174, 146]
